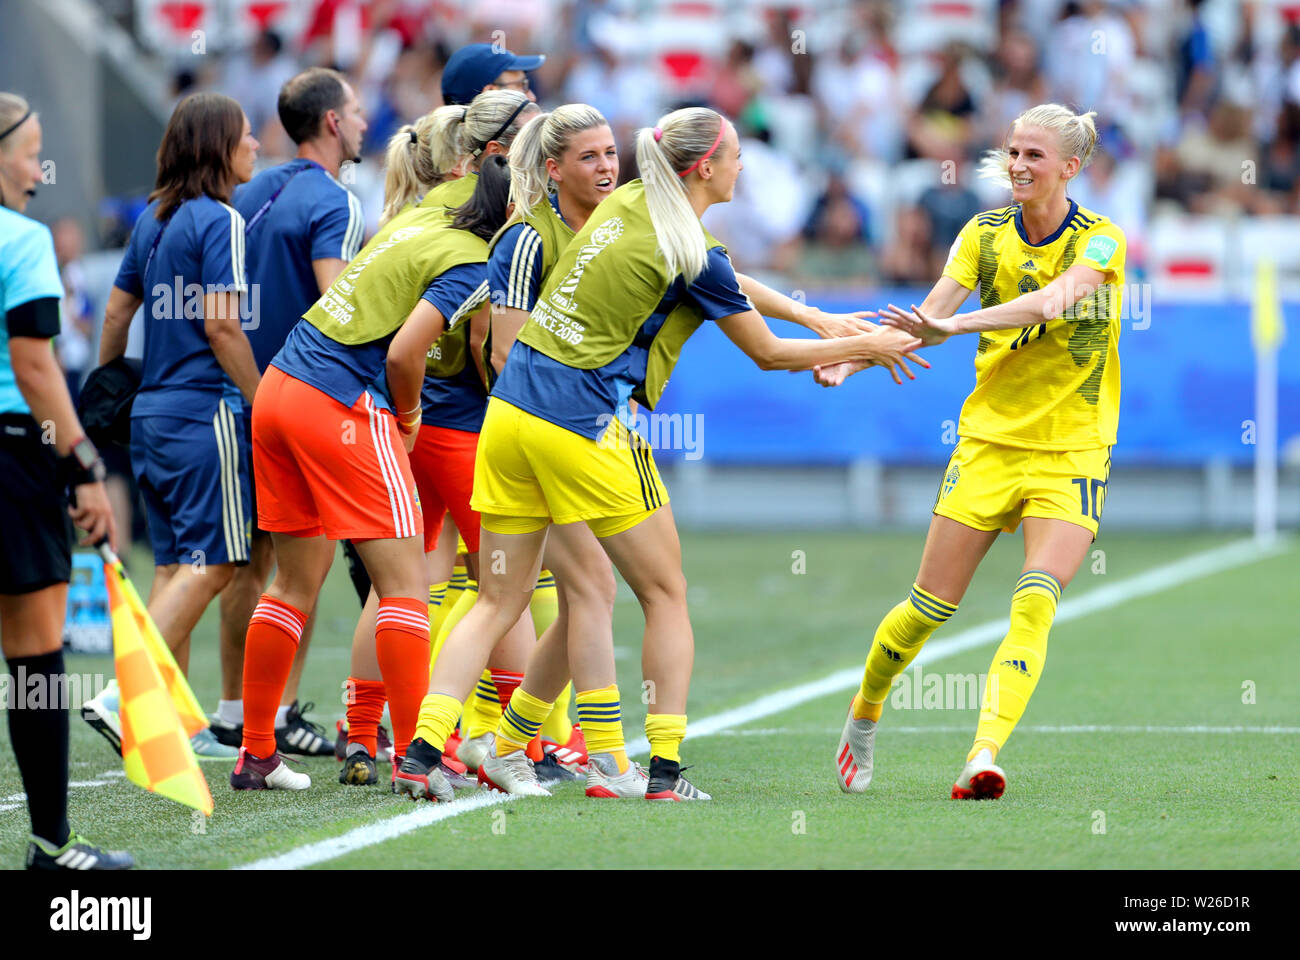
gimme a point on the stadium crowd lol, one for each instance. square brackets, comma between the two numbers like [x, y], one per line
[851, 106]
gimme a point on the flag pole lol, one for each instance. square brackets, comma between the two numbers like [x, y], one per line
[1266, 334]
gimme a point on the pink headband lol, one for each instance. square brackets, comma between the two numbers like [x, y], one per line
[659, 134]
[721, 127]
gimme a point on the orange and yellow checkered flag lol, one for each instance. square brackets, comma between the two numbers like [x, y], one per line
[183, 699]
[156, 751]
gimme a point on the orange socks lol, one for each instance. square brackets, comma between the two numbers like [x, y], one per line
[402, 648]
[365, 710]
[271, 644]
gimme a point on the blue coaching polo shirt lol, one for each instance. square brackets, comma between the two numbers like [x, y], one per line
[28, 271]
[457, 402]
[293, 214]
[199, 250]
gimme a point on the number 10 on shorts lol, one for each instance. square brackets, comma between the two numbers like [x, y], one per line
[1092, 496]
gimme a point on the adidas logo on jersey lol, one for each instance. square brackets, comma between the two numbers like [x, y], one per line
[1017, 665]
[1028, 265]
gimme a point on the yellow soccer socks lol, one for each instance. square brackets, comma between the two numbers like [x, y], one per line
[897, 641]
[665, 731]
[438, 715]
[1019, 660]
[455, 604]
[601, 716]
[520, 722]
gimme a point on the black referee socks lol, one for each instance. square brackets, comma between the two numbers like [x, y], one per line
[38, 726]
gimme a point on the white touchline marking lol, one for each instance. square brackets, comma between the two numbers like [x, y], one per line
[1038, 728]
[374, 833]
[1153, 581]
[88, 783]
[4, 807]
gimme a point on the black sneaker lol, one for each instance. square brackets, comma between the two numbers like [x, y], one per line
[77, 854]
[549, 771]
[667, 782]
[230, 734]
[299, 735]
[359, 768]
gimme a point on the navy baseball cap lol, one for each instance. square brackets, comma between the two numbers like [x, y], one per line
[472, 68]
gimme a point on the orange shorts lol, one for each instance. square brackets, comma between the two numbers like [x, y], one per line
[322, 468]
[443, 465]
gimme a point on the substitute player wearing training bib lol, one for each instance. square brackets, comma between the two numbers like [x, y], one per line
[301, 228]
[1036, 431]
[453, 394]
[611, 320]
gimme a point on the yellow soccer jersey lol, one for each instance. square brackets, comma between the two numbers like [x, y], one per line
[1055, 385]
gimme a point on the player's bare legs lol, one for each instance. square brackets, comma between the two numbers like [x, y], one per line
[953, 552]
[649, 556]
[177, 606]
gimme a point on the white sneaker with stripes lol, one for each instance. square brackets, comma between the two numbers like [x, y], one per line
[512, 773]
[980, 779]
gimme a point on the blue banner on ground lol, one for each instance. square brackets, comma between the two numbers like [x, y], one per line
[1188, 395]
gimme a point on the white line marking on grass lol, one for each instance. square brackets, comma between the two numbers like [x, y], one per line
[374, 833]
[87, 783]
[1039, 728]
[1153, 581]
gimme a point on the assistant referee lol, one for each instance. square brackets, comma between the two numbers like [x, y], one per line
[43, 454]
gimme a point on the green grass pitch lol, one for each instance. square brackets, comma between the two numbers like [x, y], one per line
[1144, 789]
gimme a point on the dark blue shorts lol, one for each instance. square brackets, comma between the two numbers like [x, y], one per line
[196, 482]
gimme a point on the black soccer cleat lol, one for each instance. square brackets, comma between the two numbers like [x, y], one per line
[550, 772]
[359, 768]
[302, 737]
[77, 854]
[667, 783]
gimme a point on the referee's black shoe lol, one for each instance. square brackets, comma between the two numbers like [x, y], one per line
[77, 854]
[302, 737]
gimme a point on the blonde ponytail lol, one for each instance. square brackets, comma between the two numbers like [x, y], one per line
[544, 137]
[684, 137]
[494, 115]
[420, 156]
[1076, 132]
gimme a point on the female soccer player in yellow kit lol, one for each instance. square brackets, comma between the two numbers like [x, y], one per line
[1036, 432]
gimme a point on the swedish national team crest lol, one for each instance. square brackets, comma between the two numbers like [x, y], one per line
[950, 479]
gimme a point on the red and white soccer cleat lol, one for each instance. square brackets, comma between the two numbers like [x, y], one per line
[981, 779]
[572, 756]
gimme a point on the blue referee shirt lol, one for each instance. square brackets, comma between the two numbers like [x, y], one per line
[293, 214]
[200, 251]
[28, 271]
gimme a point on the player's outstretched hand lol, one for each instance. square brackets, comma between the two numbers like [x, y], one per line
[929, 330]
[890, 347]
[831, 325]
[833, 374]
[92, 513]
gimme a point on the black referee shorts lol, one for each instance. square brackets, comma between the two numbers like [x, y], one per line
[38, 532]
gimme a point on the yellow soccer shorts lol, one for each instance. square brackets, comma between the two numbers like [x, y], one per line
[530, 473]
[989, 486]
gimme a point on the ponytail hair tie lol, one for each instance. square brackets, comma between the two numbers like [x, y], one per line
[415, 137]
[659, 134]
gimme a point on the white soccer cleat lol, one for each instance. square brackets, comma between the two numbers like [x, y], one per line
[981, 779]
[472, 752]
[604, 780]
[855, 754]
[512, 773]
[253, 773]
